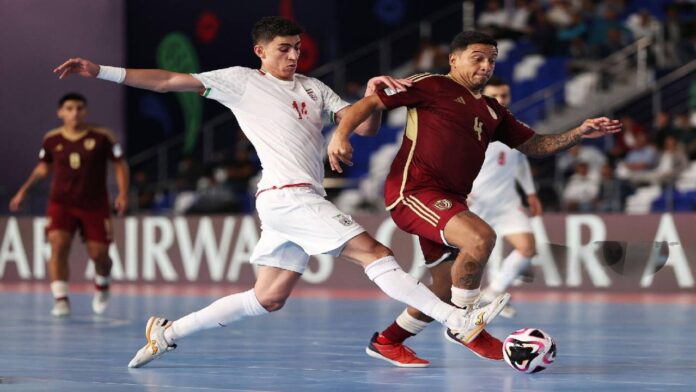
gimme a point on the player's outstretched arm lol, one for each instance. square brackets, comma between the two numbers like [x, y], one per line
[340, 149]
[149, 79]
[40, 172]
[542, 145]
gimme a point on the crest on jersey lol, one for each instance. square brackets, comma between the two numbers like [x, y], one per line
[443, 204]
[345, 220]
[311, 94]
[89, 144]
[59, 148]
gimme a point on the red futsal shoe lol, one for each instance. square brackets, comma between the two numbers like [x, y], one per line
[398, 354]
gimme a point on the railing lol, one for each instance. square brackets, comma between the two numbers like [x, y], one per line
[633, 56]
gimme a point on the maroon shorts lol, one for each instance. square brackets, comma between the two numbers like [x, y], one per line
[425, 214]
[94, 224]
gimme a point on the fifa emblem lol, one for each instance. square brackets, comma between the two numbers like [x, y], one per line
[443, 204]
[478, 127]
[345, 220]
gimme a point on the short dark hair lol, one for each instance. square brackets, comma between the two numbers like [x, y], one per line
[466, 38]
[72, 97]
[270, 27]
[496, 81]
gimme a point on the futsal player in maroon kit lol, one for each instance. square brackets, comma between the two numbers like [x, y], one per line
[78, 154]
[449, 126]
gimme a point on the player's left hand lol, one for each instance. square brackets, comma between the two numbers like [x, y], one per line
[380, 82]
[535, 208]
[598, 127]
[121, 204]
[340, 150]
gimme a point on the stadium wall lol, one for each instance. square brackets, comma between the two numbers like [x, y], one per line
[215, 251]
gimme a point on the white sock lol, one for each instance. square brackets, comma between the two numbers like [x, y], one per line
[101, 281]
[59, 289]
[464, 297]
[388, 275]
[218, 314]
[513, 266]
[410, 323]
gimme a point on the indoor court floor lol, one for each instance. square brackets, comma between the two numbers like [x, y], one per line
[605, 343]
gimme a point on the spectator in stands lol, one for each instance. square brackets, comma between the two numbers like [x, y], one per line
[644, 24]
[543, 33]
[577, 29]
[188, 173]
[686, 134]
[560, 13]
[673, 34]
[612, 191]
[640, 159]
[143, 190]
[672, 162]
[602, 40]
[493, 17]
[581, 191]
[626, 141]
[590, 155]
[662, 128]
[521, 15]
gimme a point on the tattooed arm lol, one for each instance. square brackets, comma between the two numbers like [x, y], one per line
[541, 145]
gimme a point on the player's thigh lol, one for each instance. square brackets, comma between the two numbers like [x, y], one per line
[470, 233]
[426, 213]
[60, 241]
[61, 225]
[275, 250]
[96, 225]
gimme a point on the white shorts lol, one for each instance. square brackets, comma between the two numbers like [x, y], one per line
[506, 219]
[296, 223]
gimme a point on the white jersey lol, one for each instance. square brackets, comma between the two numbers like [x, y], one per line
[282, 119]
[495, 183]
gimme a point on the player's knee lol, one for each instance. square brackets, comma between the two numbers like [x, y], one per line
[272, 302]
[483, 242]
[528, 250]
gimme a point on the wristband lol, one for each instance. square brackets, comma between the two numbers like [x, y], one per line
[112, 74]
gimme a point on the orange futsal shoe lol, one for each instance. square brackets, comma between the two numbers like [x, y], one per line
[397, 354]
[484, 345]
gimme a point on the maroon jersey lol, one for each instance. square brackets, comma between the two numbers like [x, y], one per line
[447, 132]
[79, 166]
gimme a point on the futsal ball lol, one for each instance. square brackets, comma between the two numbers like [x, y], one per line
[529, 350]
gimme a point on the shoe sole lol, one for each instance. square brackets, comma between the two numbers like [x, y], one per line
[377, 355]
[458, 343]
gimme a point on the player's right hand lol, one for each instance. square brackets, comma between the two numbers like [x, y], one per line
[16, 201]
[340, 150]
[78, 66]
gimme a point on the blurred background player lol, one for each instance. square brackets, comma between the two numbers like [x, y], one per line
[280, 112]
[494, 198]
[78, 154]
[450, 124]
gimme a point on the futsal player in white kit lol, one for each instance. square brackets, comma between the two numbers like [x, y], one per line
[494, 199]
[280, 112]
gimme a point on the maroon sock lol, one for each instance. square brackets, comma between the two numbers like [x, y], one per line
[393, 334]
[101, 287]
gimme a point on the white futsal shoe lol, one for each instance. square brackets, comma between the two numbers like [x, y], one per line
[100, 301]
[156, 345]
[489, 295]
[61, 308]
[473, 319]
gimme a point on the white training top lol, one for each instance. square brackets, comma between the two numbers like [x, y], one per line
[281, 118]
[495, 182]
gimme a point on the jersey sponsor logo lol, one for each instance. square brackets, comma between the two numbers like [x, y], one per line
[461, 100]
[443, 204]
[311, 94]
[345, 220]
[89, 144]
[300, 108]
[478, 127]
